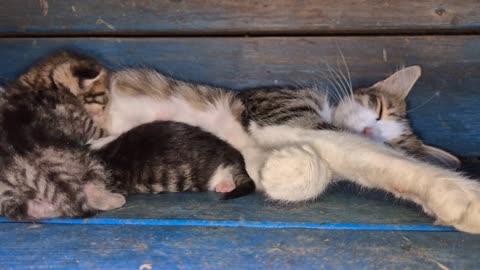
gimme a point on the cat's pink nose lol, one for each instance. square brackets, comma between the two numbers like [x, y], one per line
[368, 131]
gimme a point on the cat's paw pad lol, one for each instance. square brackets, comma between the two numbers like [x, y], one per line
[101, 199]
[225, 186]
[457, 205]
[294, 173]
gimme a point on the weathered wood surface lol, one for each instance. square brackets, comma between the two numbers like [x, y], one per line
[236, 17]
[444, 102]
[29, 246]
[332, 208]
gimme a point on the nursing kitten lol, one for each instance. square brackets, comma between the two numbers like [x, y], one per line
[174, 157]
[46, 169]
[295, 157]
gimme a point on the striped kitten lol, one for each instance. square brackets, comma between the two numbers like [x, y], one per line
[174, 157]
[295, 156]
[47, 171]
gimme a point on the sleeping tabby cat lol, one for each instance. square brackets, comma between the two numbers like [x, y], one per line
[291, 141]
[47, 171]
[377, 112]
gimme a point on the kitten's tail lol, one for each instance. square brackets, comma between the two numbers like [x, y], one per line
[244, 185]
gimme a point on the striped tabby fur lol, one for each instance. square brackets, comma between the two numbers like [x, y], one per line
[291, 163]
[167, 156]
[47, 171]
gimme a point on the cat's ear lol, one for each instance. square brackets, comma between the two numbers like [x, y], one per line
[440, 157]
[401, 82]
[88, 75]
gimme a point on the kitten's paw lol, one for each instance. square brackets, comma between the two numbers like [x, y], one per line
[100, 143]
[101, 199]
[457, 205]
[41, 209]
[225, 186]
[295, 173]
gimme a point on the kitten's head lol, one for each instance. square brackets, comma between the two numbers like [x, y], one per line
[83, 76]
[379, 112]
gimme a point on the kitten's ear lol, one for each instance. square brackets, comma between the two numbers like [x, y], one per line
[88, 75]
[401, 82]
[440, 157]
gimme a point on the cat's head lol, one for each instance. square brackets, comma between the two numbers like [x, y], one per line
[82, 75]
[380, 113]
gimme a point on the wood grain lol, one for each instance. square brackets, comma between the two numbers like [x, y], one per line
[444, 102]
[92, 17]
[335, 207]
[124, 247]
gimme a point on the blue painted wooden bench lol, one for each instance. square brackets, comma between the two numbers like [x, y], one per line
[239, 44]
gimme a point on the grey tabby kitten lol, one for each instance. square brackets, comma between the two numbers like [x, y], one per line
[173, 157]
[46, 169]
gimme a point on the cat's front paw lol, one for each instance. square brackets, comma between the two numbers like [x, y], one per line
[294, 173]
[457, 204]
[99, 198]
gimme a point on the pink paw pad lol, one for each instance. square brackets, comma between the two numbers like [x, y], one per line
[224, 187]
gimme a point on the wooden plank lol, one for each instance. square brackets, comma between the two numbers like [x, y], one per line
[341, 207]
[126, 247]
[444, 102]
[236, 17]
[333, 208]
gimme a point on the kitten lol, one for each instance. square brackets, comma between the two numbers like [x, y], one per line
[174, 157]
[293, 157]
[47, 170]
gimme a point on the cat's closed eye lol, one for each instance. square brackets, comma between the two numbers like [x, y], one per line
[379, 109]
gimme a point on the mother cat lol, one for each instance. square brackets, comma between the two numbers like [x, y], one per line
[292, 143]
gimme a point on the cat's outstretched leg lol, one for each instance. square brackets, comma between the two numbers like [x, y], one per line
[294, 173]
[452, 198]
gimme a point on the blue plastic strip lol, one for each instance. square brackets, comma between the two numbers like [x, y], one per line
[244, 224]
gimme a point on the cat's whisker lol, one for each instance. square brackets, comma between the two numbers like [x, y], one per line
[335, 95]
[334, 86]
[344, 80]
[335, 98]
[348, 73]
[335, 75]
[348, 88]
